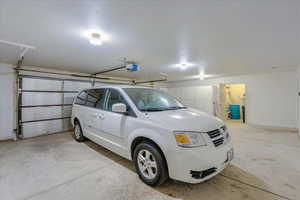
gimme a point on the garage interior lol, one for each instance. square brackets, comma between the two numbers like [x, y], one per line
[237, 60]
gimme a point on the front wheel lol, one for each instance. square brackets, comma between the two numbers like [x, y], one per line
[78, 135]
[150, 164]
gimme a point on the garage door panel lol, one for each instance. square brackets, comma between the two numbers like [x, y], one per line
[42, 128]
[33, 98]
[69, 98]
[66, 124]
[38, 113]
[100, 84]
[38, 91]
[67, 111]
[76, 85]
[41, 84]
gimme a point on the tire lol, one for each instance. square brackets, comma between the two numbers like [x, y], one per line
[150, 164]
[78, 132]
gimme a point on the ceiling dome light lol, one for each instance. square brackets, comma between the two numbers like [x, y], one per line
[95, 36]
[95, 39]
[184, 66]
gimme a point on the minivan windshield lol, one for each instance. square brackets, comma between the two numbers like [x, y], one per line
[151, 100]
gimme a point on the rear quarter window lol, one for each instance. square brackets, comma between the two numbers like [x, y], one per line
[81, 98]
[95, 98]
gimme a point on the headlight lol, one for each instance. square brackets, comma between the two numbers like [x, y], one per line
[189, 139]
[226, 133]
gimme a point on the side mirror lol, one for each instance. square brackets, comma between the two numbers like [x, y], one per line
[119, 108]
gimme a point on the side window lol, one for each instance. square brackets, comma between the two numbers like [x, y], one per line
[80, 100]
[95, 98]
[113, 96]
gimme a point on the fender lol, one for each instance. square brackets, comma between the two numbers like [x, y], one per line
[160, 139]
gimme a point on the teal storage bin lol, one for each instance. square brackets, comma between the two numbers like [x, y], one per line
[235, 111]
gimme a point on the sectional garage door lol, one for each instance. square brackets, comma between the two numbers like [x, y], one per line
[45, 104]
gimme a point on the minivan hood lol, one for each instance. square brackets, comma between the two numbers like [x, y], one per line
[185, 120]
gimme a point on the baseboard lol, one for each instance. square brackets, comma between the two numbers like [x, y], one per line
[47, 134]
[275, 128]
[6, 139]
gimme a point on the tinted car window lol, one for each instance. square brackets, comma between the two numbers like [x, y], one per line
[81, 98]
[113, 96]
[95, 98]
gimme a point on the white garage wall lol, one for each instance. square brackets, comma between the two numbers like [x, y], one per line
[298, 99]
[271, 98]
[7, 78]
[198, 97]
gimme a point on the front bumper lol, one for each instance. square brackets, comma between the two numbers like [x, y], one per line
[195, 165]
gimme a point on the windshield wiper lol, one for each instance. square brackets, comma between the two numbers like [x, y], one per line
[163, 109]
[152, 109]
[176, 108]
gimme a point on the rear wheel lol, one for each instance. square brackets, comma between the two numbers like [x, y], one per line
[78, 132]
[150, 164]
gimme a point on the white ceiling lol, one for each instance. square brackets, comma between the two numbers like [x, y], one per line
[221, 37]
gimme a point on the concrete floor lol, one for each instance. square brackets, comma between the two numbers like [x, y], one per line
[266, 166]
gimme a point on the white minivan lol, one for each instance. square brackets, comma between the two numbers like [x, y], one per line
[164, 138]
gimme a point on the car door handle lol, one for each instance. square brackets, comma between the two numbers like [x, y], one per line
[98, 116]
[101, 116]
[95, 115]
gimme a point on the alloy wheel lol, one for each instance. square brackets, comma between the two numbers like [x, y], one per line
[77, 132]
[147, 164]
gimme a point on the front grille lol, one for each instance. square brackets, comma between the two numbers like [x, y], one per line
[219, 141]
[203, 174]
[208, 172]
[214, 133]
[216, 136]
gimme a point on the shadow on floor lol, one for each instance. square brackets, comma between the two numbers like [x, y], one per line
[233, 183]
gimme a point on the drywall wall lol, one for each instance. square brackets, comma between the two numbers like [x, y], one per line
[271, 98]
[7, 80]
[298, 98]
[198, 97]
